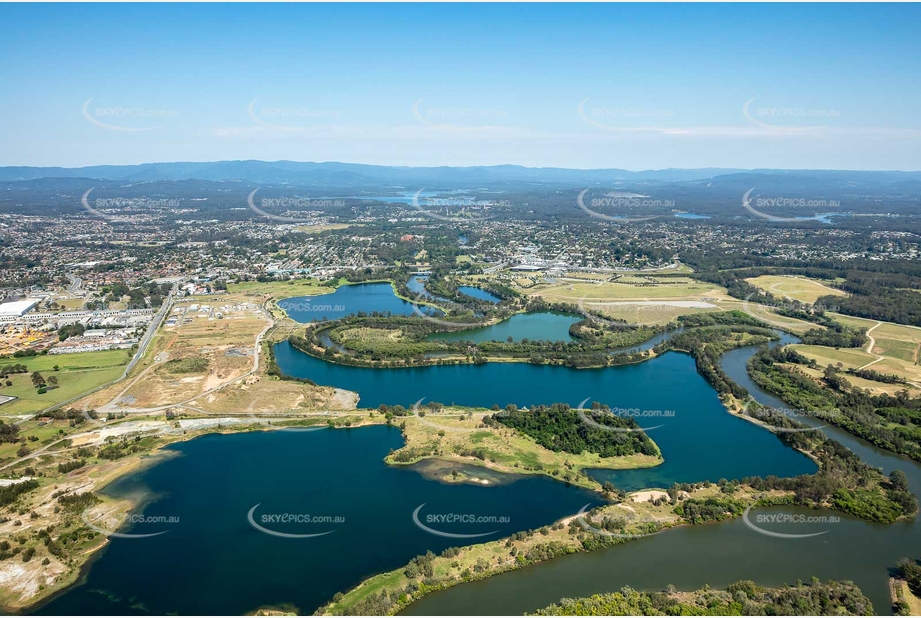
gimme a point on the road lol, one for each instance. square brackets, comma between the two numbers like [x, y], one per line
[871, 345]
[75, 284]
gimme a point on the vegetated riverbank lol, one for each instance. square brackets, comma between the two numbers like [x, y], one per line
[493, 440]
[387, 342]
[637, 515]
[892, 422]
[843, 483]
[905, 588]
[742, 598]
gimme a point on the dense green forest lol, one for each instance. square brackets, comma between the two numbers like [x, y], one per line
[561, 428]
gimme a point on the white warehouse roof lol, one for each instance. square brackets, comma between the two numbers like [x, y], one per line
[18, 307]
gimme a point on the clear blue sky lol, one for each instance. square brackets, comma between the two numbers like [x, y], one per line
[834, 86]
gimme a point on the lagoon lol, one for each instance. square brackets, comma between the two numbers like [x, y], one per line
[540, 326]
[478, 293]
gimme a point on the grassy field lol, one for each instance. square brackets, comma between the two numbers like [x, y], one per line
[452, 432]
[77, 373]
[848, 357]
[795, 288]
[892, 340]
[901, 592]
[281, 289]
[877, 388]
[71, 304]
[629, 288]
[761, 312]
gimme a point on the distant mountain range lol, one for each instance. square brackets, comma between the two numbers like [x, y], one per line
[333, 174]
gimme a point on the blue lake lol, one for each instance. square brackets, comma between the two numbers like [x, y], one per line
[545, 325]
[478, 293]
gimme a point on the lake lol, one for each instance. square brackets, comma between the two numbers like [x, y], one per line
[349, 300]
[478, 293]
[213, 561]
[544, 325]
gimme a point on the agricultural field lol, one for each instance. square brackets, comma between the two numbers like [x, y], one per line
[630, 288]
[794, 288]
[75, 374]
[637, 298]
[849, 358]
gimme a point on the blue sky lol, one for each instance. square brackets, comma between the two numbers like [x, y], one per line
[589, 86]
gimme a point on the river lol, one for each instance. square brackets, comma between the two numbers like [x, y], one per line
[717, 554]
[211, 560]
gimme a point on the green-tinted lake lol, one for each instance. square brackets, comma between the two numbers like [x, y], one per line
[545, 325]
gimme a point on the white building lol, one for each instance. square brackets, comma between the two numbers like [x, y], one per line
[18, 308]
